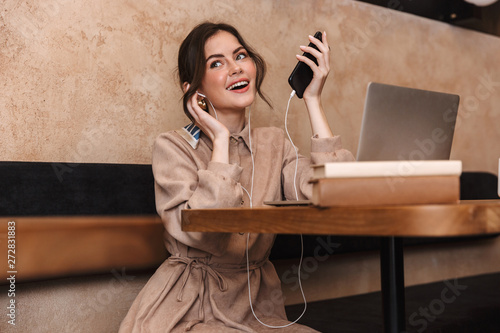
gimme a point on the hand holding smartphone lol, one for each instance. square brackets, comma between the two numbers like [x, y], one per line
[302, 73]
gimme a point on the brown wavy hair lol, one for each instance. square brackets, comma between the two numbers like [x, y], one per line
[191, 59]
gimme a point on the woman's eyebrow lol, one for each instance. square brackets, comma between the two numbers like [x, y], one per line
[238, 49]
[215, 56]
[218, 55]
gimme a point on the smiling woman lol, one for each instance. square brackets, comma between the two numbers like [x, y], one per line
[223, 282]
[229, 80]
[194, 58]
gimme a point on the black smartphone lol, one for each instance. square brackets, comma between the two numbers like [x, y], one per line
[302, 74]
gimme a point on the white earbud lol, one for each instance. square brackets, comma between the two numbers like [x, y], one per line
[215, 111]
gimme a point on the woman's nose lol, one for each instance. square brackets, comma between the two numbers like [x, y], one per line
[235, 69]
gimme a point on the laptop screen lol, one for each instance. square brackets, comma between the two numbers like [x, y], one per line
[406, 124]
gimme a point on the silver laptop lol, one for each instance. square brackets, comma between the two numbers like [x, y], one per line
[406, 124]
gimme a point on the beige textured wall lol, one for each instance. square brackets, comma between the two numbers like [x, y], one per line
[94, 81]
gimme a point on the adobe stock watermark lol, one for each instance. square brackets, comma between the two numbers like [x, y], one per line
[148, 83]
[362, 36]
[30, 20]
[425, 147]
[100, 300]
[425, 314]
[484, 90]
[92, 139]
[323, 250]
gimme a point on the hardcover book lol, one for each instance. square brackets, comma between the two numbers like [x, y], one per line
[329, 192]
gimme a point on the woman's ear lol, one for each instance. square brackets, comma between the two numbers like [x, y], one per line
[185, 86]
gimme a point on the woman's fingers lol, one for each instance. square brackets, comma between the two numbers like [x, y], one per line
[192, 108]
[325, 42]
[322, 54]
[321, 69]
[322, 44]
[198, 115]
[206, 122]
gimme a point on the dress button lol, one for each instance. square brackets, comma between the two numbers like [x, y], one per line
[233, 140]
[242, 202]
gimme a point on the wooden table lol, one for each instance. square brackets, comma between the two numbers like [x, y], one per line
[391, 223]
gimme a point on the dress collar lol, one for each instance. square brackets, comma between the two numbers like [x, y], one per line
[244, 134]
[192, 134]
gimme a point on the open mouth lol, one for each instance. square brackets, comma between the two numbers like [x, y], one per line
[238, 85]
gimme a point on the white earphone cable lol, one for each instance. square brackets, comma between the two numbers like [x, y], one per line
[215, 111]
[295, 148]
[251, 152]
[248, 234]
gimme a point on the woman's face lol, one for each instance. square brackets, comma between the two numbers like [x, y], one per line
[229, 80]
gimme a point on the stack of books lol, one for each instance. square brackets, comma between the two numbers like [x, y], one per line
[386, 183]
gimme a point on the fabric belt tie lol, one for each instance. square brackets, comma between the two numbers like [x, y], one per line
[206, 268]
[196, 263]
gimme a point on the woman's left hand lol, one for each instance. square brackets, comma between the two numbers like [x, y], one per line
[312, 94]
[320, 71]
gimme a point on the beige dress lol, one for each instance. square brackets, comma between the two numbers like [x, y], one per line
[203, 285]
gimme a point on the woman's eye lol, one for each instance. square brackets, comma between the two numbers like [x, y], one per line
[241, 56]
[215, 64]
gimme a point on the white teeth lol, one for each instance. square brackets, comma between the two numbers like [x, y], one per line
[237, 84]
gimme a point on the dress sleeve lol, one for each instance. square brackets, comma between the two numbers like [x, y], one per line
[183, 182]
[322, 150]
